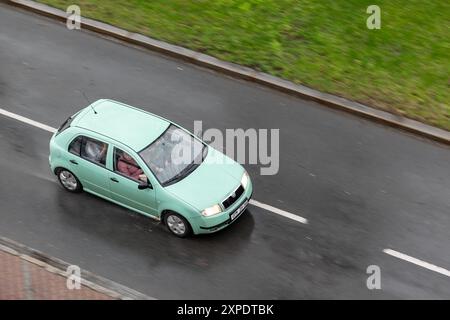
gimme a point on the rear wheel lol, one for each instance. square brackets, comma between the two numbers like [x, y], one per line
[69, 181]
[177, 224]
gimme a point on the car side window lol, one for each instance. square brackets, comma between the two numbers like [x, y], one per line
[75, 145]
[94, 150]
[127, 166]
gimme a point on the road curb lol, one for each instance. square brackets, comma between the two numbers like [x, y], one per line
[245, 73]
[57, 266]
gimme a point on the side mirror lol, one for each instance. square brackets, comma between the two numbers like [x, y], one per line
[145, 185]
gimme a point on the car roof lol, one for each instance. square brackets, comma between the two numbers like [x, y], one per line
[131, 126]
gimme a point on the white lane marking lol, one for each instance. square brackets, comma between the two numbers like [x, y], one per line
[418, 262]
[252, 202]
[26, 120]
[279, 211]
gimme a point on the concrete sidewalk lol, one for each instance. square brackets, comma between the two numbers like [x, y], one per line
[21, 279]
[27, 274]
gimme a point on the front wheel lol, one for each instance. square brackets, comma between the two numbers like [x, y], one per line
[69, 181]
[177, 224]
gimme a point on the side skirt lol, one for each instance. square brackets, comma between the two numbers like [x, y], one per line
[122, 205]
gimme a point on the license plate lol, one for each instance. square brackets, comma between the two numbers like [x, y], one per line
[239, 210]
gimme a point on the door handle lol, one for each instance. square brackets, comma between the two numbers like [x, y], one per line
[73, 161]
[114, 179]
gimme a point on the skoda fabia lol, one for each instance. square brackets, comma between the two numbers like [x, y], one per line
[150, 165]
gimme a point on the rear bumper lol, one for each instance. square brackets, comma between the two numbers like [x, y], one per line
[203, 225]
[51, 163]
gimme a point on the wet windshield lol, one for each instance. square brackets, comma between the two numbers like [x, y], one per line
[174, 155]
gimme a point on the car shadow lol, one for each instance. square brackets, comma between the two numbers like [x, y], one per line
[126, 230]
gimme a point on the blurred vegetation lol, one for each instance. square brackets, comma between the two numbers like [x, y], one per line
[402, 68]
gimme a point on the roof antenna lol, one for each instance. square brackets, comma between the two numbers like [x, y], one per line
[84, 95]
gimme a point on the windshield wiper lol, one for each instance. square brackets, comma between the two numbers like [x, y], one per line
[183, 173]
[174, 178]
[186, 171]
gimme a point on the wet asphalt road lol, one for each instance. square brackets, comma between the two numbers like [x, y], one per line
[363, 187]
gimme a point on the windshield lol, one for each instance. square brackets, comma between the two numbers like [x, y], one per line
[174, 155]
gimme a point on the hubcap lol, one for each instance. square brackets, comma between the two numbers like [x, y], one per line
[176, 225]
[68, 180]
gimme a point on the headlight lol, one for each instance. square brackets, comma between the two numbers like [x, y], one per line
[215, 209]
[245, 180]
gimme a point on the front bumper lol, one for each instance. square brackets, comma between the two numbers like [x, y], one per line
[220, 221]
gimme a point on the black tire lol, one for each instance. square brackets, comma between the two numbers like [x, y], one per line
[171, 218]
[75, 186]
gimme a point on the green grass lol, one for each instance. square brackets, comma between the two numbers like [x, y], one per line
[402, 68]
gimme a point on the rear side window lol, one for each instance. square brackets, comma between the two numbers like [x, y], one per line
[75, 145]
[94, 150]
[89, 149]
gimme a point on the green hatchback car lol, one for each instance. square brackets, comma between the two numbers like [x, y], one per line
[150, 165]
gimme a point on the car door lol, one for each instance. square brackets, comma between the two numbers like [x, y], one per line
[124, 182]
[87, 158]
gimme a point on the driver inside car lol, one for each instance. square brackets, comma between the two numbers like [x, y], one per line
[127, 166]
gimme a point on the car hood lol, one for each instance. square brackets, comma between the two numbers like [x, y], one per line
[210, 183]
